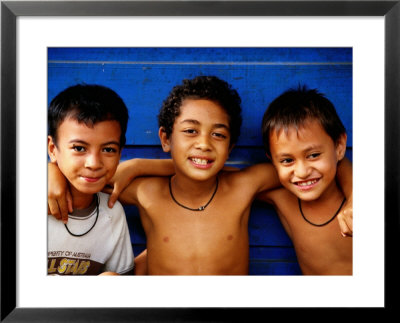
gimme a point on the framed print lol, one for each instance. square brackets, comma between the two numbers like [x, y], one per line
[192, 24]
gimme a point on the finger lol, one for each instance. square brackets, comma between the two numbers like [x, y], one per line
[344, 228]
[69, 201]
[113, 197]
[53, 209]
[63, 207]
[346, 232]
[348, 216]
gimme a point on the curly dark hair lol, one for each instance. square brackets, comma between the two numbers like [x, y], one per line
[87, 103]
[203, 87]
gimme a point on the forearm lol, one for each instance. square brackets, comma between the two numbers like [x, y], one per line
[128, 170]
[59, 201]
[146, 167]
[154, 167]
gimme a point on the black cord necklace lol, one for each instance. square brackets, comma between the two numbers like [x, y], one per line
[321, 225]
[201, 208]
[97, 216]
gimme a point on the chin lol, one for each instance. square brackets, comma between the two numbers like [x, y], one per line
[304, 196]
[309, 196]
[91, 190]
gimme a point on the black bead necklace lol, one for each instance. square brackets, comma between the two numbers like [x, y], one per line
[201, 208]
[97, 216]
[321, 225]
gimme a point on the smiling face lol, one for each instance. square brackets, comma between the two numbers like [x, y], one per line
[87, 156]
[306, 159]
[200, 140]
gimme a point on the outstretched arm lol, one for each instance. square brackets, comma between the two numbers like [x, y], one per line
[345, 180]
[59, 196]
[130, 169]
[258, 178]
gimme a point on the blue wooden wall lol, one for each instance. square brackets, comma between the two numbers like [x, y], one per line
[143, 78]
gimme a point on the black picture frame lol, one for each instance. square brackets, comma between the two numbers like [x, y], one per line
[10, 10]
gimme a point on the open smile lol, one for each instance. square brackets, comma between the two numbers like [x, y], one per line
[201, 162]
[306, 185]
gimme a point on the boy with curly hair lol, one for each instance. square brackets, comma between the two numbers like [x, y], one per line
[196, 221]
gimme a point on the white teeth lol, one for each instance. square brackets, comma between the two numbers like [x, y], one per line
[307, 183]
[200, 161]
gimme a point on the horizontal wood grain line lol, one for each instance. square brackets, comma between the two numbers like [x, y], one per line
[197, 63]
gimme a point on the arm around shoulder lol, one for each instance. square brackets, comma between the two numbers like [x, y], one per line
[59, 198]
[128, 170]
[261, 177]
[345, 179]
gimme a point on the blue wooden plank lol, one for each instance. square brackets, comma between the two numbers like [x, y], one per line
[265, 228]
[193, 54]
[273, 253]
[258, 267]
[240, 156]
[144, 88]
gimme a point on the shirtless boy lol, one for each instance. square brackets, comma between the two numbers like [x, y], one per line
[305, 140]
[196, 222]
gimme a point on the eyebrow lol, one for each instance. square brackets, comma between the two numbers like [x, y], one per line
[79, 141]
[215, 125]
[309, 148]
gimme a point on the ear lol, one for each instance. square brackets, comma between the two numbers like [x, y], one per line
[51, 148]
[230, 148]
[165, 142]
[341, 146]
[268, 156]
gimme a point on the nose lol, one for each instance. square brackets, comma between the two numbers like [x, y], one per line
[93, 161]
[203, 142]
[302, 170]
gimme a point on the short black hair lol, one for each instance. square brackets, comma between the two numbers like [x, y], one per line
[202, 87]
[89, 104]
[296, 106]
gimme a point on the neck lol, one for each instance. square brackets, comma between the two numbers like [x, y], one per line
[80, 200]
[187, 186]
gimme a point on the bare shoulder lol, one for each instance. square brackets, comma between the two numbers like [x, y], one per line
[141, 187]
[277, 196]
[285, 204]
[151, 183]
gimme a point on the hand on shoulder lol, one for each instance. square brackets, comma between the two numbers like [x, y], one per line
[345, 218]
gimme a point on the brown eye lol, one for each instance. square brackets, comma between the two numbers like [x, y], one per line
[314, 155]
[286, 161]
[190, 131]
[109, 150]
[219, 135]
[78, 149]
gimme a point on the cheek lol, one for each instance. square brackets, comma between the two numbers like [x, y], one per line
[225, 149]
[66, 163]
[112, 164]
[283, 172]
[328, 164]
